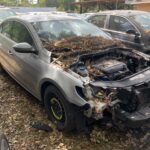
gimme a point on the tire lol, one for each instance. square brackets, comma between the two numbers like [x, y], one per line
[59, 110]
[4, 145]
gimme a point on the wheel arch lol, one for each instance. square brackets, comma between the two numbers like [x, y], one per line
[47, 82]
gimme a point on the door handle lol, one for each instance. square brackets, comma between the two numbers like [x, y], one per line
[10, 52]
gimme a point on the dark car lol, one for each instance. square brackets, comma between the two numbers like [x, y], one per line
[76, 70]
[131, 27]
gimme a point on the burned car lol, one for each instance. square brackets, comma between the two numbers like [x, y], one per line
[76, 70]
[130, 26]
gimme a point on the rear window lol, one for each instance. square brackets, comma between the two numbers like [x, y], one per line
[6, 29]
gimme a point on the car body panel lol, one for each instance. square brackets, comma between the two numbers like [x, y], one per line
[23, 67]
[128, 39]
[35, 70]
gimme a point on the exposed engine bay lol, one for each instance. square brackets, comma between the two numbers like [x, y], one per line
[110, 65]
[119, 82]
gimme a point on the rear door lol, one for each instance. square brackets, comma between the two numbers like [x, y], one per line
[118, 26]
[6, 56]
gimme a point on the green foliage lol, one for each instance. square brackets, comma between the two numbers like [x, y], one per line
[106, 6]
[14, 2]
[41, 3]
[65, 5]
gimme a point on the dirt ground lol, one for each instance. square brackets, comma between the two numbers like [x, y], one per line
[18, 109]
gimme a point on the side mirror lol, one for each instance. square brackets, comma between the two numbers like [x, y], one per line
[24, 48]
[137, 38]
[132, 32]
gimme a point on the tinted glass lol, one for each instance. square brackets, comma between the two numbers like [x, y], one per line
[21, 34]
[61, 29]
[98, 20]
[6, 29]
[120, 24]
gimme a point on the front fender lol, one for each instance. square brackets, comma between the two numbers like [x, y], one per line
[66, 83]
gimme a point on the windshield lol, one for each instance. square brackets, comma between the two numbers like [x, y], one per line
[143, 20]
[5, 13]
[61, 29]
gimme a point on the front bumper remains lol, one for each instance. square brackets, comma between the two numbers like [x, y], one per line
[133, 99]
[136, 119]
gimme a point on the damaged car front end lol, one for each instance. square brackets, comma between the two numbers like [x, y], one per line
[77, 71]
[119, 88]
[116, 81]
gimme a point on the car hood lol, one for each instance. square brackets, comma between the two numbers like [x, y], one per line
[69, 50]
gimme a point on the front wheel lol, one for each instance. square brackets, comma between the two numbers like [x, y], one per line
[59, 110]
[4, 143]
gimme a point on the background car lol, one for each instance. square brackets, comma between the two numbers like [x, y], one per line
[131, 27]
[5, 13]
[28, 10]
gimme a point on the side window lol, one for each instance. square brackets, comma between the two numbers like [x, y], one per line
[6, 29]
[21, 34]
[120, 24]
[98, 20]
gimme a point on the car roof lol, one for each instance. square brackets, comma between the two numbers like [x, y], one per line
[24, 10]
[4, 8]
[120, 12]
[43, 17]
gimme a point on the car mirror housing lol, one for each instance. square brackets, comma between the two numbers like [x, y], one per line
[132, 32]
[24, 48]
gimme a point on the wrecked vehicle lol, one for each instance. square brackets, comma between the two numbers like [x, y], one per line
[76, 70]
[130, 26]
